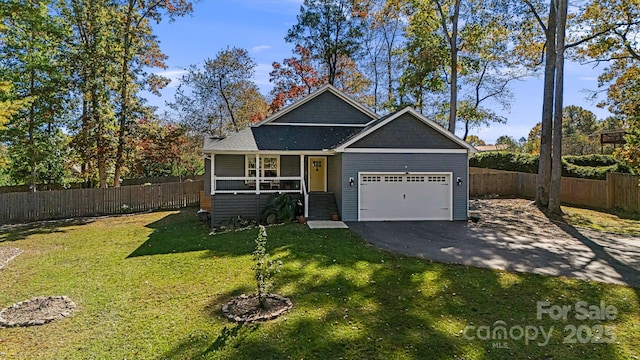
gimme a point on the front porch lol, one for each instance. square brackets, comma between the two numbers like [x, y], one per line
[241, 183]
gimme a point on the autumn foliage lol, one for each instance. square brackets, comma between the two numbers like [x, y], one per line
[293, 79]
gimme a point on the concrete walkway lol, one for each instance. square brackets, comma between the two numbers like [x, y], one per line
[571, 252]
[326, 224]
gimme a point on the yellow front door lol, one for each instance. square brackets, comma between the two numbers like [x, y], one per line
[317, 174]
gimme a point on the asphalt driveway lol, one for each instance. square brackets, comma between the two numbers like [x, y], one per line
[523, 244]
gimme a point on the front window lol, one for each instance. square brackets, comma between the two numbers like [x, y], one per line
[269, 166]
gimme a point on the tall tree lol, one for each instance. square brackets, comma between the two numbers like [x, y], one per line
[556, 167]
[9, 104]
[156, 148]
[543, 181]
[426, 57]
[466, 49]
[32, 59]
[297, 77]
[532, 143]
[383, 46]
[221, 96]
[548, 184]
[293, 79]
[449, 16]
[139, 50]
[95, 69]
[331, 30]
[579, 127]
[475, 140]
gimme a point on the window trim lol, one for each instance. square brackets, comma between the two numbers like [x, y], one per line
[247, 157]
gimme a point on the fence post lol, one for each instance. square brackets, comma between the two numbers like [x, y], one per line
[611, 190]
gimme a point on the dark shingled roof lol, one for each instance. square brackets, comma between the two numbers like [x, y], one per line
[292, 138]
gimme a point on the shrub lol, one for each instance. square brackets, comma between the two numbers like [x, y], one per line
[237, 222]
[281, 208]
[264, 267]
[593, 160]
[585, 166]
[508, 161]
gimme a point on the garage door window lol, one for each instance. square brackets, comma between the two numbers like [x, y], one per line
[369, 179]
[415, 178]
[393, 178]
[437, 179]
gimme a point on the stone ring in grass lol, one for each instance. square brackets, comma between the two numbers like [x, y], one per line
[37, 311]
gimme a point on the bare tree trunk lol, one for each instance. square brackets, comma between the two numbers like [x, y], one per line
[452, 39]
[453, 105]
[556, 169]
[543, 180]
[124, 96]
[31, 149]
[101, 146]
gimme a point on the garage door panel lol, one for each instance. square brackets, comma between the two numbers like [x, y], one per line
[405, 197]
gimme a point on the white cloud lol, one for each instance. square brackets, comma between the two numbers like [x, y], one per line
[174, 76]
[260, 48]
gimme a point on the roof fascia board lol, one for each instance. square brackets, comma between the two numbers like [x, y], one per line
[270, 152]
[318, 125]
[405, 151]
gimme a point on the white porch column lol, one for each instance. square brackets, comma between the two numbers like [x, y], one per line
[257, 173]
[302, 187]
[301, 172]
[213, 174]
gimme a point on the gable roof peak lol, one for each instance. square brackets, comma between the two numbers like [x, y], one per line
[323, 89]
[375, 125]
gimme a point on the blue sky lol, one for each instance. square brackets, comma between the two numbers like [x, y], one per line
[260, 27]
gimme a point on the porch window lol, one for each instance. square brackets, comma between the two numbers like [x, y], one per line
[269, 166]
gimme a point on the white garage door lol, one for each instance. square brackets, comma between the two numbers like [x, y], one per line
[405, 196]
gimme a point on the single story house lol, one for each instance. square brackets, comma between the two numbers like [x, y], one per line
[340, 157]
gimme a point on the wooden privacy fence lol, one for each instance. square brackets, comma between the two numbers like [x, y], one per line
[619, 191]
[61, 204]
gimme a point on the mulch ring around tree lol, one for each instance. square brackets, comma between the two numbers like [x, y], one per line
[246, 308]
[36, 311]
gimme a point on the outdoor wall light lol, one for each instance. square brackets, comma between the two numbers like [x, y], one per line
[459, 181]
[351, 181]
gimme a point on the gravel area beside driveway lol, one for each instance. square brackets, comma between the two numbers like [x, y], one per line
[513, 235]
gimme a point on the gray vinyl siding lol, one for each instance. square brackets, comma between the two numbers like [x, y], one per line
[207, 176]
[226, 206]
[326, 108]
[406, 132]
[334, 178]
[352, 163]
[289, 165]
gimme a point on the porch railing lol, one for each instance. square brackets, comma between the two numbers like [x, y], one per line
[247, 185]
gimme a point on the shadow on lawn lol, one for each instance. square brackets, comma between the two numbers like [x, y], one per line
[181, 232]
[22, 231]
[406, 308]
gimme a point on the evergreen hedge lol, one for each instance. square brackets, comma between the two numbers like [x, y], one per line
[586, 166]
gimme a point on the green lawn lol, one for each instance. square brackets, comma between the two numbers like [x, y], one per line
[151, 287]
[609, 222]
